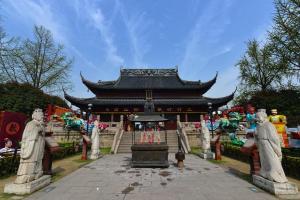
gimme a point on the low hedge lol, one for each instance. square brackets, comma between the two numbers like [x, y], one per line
[233, 151]
[291, 166]
[9, 165]
[290, 160]
[293, 152]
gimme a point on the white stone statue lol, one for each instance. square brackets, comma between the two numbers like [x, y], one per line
[95, 141]
[32, 149]
[268, 144]
[205, 137]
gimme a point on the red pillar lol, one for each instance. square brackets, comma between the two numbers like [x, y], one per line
[85, 141]
[84, 150]
[216, 145]
[256, 162]
[218, 150]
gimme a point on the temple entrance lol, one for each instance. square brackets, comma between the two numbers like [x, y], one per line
[172, 123]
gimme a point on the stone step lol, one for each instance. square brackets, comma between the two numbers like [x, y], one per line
[129, 151]
[126, 141]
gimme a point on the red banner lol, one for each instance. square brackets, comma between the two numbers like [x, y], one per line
[12, 125]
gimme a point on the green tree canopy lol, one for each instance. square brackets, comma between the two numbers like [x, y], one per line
[285, 35]
[286, 101]
[259, 70]
[25, 98]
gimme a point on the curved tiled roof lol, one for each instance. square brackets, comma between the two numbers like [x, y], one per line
[201, 101]
[149, 79]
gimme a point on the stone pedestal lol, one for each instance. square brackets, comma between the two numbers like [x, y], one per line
[27, 188]
[150, 155]
[275, 188]
[207, 155]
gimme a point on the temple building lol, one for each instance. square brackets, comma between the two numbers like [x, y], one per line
[170, 95]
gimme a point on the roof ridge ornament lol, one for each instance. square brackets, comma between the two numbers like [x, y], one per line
[149, 72]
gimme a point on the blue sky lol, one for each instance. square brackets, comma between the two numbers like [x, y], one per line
[199, 36]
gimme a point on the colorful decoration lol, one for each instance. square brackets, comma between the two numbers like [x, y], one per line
[232, 123]
[224, 122]
[12, 125]
[235, 140]
[72, 122]
[279, 121]
[250, 117]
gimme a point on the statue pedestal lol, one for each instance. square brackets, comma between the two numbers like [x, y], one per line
[275, 188]
[207, 155]
[27, 188]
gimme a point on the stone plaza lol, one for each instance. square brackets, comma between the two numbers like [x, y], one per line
[111, 177]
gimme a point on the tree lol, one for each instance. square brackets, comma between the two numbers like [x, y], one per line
[287, 101]
[25, 98]
[259, 69]
[7, 60]
[39, 62]
[285, 35]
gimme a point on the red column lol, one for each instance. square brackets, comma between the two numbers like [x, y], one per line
[218, 150]
[256, 162]
[85, 141]
[84, 150]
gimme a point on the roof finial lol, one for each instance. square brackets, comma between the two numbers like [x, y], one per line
[63, 89]
[176, 67]
[82, 78]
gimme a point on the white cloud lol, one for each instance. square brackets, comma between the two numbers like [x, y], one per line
[94, 15]
[226, 83]
[208, 28]
[39, 13]
[99, 23]
[136, 26]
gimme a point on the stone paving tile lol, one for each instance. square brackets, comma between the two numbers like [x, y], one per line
[112, 178]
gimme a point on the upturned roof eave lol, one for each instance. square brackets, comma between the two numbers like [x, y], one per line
[115, 85]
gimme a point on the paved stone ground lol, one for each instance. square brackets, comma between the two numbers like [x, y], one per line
[112, 178]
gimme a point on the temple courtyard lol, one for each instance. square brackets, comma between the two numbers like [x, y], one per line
[111, 177]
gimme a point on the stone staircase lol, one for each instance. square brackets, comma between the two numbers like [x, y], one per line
[125, 144]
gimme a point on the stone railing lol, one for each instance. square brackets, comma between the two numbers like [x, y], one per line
[181, 141]
[183, 136]
[117, 137]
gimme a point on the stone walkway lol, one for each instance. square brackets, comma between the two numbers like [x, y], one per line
[112, 178]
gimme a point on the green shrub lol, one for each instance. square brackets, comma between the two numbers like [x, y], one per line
[9, 165]
[290, 160]
[24, 98]
[105, 150]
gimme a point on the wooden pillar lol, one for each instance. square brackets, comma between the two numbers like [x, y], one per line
[186, 117]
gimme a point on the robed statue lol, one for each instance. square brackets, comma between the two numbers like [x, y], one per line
[205, 136]
[95, 141]
[32, 149]
[269, 147]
